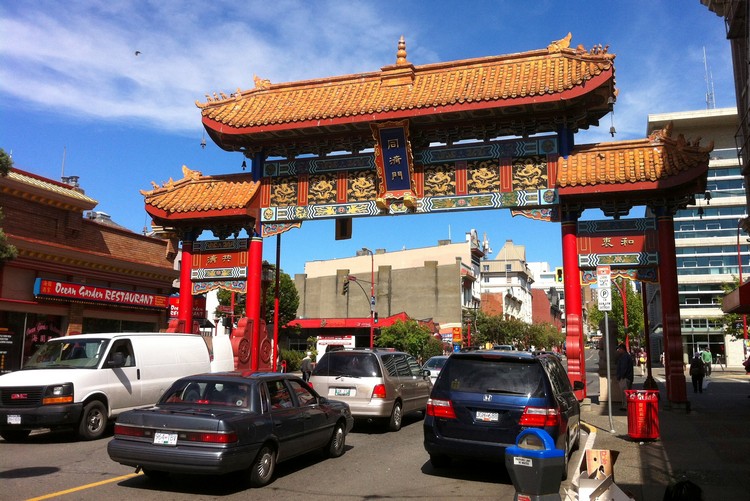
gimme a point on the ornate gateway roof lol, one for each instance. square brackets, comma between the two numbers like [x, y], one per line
[483, 98]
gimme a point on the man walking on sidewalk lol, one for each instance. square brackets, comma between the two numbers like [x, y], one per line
[624, 373]
[706, 356]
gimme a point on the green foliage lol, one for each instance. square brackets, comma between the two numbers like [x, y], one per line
[288, 300]
[494, 329]
[635, 313]
[411, 338]
[6, 163]
[7, 251]
[732, 322]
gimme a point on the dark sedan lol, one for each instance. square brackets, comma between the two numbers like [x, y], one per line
[230, 422]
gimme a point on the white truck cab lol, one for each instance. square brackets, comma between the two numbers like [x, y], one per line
[83, 381]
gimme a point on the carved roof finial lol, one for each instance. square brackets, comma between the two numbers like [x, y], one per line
[561, 44]
[401, 53]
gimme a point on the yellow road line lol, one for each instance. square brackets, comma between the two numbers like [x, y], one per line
[83, 487]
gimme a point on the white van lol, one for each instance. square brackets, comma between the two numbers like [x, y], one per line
[83, 381]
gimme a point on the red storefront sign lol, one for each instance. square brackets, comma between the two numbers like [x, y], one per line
[199, 306]
[84, 292]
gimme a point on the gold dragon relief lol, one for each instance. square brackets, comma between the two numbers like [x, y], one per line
[284, 191]
[361, 187]
[483, 177]
[530, 173]
[439, 180]
[322, 189]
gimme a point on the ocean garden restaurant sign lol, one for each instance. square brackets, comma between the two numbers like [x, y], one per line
[55, 289]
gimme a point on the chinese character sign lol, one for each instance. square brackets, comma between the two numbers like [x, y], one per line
[394, 162]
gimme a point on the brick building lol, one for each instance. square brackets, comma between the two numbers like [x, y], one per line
[76, 271]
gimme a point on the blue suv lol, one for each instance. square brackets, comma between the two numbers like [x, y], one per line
[482, 400]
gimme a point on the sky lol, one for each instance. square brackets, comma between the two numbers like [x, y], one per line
[76, 100]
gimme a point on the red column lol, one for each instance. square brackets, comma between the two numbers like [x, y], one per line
[253, 296]
[185, 310]
[670, 306]
[574, 343]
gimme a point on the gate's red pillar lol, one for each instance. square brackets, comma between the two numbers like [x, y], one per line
[185, 310]
[253, 297]
[670, 307]
[574, 344]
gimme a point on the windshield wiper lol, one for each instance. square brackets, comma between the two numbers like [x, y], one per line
[347, 375]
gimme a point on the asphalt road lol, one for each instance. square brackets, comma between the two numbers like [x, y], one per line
[376, 465]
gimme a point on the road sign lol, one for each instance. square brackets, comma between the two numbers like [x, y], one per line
[603, 277]
[604, 297]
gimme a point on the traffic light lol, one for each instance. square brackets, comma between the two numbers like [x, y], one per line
[345, 287]
[559, 275]
[375, 317]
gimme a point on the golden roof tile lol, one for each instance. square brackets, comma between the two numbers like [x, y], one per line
[655, 158]
[199, 193]
[540, 75]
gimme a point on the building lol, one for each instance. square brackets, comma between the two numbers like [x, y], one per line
[707, 236]
[76, 270]
[507, 283]
[437, 283]
[548, 296]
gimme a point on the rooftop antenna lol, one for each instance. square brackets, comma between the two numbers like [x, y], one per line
[62, 170]
[710, 101]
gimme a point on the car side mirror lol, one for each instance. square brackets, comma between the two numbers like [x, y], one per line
[118, 360]
[425, 372]
[578, 385]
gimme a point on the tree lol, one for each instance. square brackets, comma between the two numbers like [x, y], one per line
[6, 163]
[411, 338]
[288, 300]
[7, 251]
[732, 322]
[635, 314]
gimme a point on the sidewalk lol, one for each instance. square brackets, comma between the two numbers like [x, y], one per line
[710, 445]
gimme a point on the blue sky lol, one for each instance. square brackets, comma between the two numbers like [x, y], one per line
[72, 87]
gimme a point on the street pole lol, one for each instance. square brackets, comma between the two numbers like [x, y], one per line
[276, 350]
[372, 295]
[609, 383]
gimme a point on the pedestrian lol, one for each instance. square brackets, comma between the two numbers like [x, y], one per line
[707, 359]
[697, 372]
[642, 362]
[306, 366]
[624, 372]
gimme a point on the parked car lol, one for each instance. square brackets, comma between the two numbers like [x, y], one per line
[377, 384]
[484, 399]
[230, 422]
[81, 382]
[434, 364]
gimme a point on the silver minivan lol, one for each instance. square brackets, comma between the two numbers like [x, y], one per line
[377, 384]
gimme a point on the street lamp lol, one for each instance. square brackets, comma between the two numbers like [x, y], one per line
[372, 295]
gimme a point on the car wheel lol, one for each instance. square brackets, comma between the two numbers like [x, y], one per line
[263, 467]
[394, 424]
[15, 436]
[440, 461]
[93, 421]
[155, 475]
[338, 441]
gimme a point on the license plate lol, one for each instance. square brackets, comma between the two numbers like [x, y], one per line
[165, 438]
[487, 416]
[342, 392]
[14, 419]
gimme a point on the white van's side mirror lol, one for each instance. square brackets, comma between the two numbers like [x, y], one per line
[117, 360]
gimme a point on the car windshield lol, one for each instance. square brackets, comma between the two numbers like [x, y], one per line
[493, 375]
[66, 353]
[210, 394]
[435, 363]
[348, 363]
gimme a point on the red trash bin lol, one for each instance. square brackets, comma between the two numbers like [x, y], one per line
[643, 414]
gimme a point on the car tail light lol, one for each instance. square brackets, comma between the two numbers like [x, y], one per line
[213, 438]
[378, 391]
[130, 431]
[440, 408]
[540, 417]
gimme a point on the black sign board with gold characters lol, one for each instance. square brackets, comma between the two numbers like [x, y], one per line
[394, 163]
